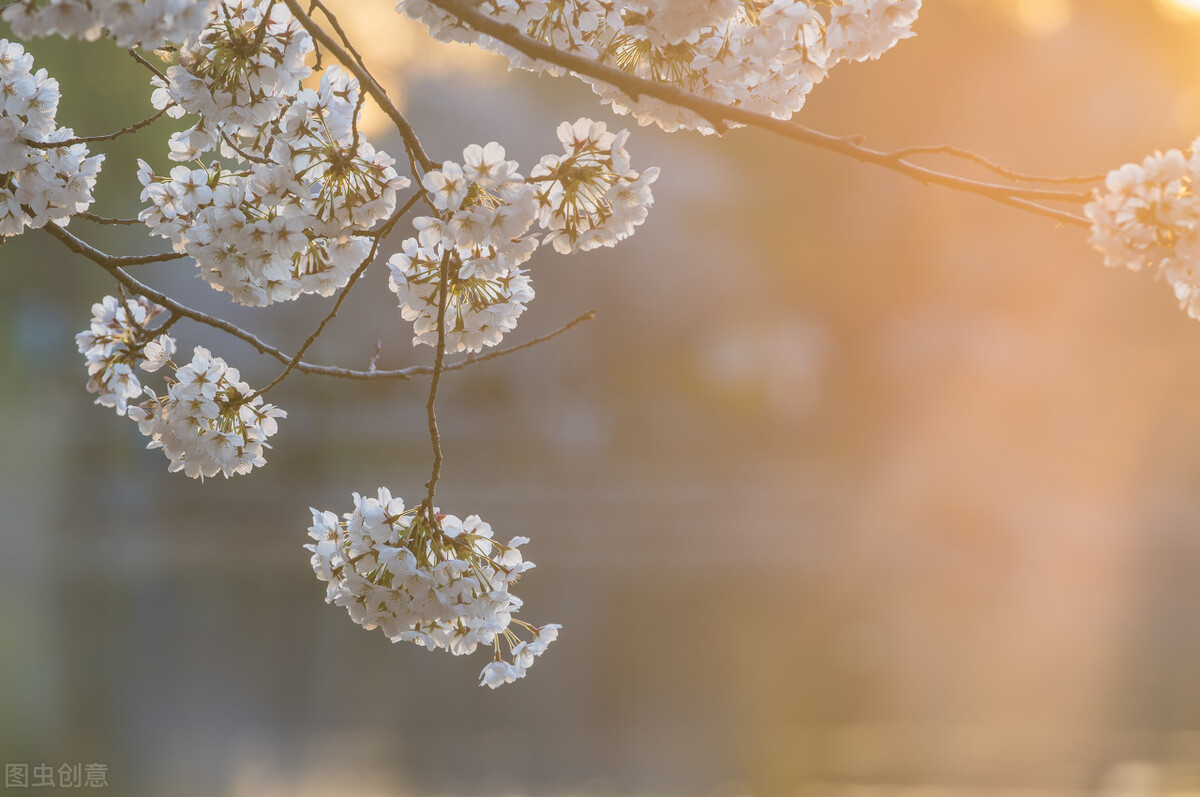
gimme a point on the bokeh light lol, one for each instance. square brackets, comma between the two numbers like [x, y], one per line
[1042, 17]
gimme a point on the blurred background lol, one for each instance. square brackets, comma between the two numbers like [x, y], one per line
[854, 486]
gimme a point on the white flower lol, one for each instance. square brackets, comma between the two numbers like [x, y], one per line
[426, 578]
[480, 309]
[486, 166]
[589, 196]
[157, 353]
[37, 184]
[209, 422]
[284, 223]
[447, 186]
[762, 56]
[119, 340]
[498, 673]
[864, 29]
[1148, 217]
[144, 23]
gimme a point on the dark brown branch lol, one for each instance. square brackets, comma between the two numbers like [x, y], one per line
[265, 22]
[138, 57]
[81, 247]
[716, 112]
[112, 264]
[439, 362]
[337, 28]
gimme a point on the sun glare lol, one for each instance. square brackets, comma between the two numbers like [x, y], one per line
[401, 50]
[1180, 9]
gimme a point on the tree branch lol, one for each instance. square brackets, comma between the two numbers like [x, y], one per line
[133, 128]
[439, 361]
[966, 154]
[92, 217]
[472, 359]
[111, 264]
[379, 235]
[715, 112]
[138, 57]
[107, 261]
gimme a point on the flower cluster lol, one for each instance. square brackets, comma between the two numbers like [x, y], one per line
[485, 209]
[760, 55]
[589, 196]
[432, 579]
[120, 340]
[237, 75]
[209, 421]
[283, 221]
[1148, 217]
[39, 182]
[131, 23]
[585, 198]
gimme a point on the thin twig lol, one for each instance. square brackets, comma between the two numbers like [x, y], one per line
[93, 139]
[966, 154]
[138, 57]
[104, 219]
[252, 158]
[715, 111]
[111, 264]
[439, 361]
[345, 291]
[337, 28]
[473, 359]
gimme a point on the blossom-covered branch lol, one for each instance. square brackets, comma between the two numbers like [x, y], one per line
[177, 308]
[635, 86]
[274, 192]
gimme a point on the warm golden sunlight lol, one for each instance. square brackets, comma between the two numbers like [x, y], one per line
[1042, 17]
[405, 52]
[868, 466]
[1182, 9]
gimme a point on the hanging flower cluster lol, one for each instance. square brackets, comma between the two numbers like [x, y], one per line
[120, 340]
[131, 23]
[485, 209]
[585, 198]
[759, 55]
[1148, 217]
[284, 220]
[39, 182]
[209, 421]
[589, 196]
[428, 578]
